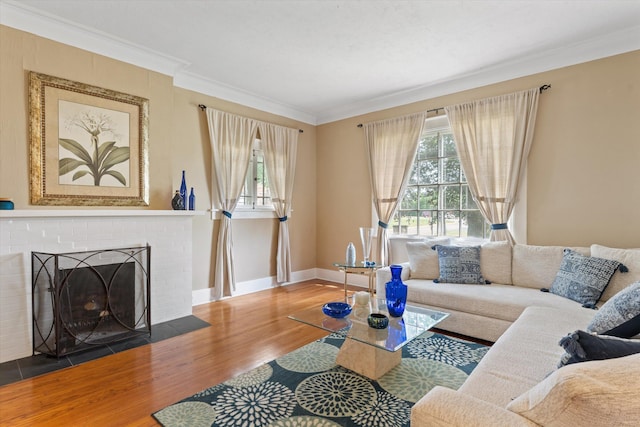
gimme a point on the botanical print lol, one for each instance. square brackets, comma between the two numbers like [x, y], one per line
[94, 145]
[89, 145]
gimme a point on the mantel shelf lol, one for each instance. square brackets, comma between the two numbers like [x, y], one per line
[82, 213]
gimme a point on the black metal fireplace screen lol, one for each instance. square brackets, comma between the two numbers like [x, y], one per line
[82, 300]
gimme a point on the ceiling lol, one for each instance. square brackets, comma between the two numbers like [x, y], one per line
[322, 60]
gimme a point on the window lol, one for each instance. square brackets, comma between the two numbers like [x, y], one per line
[437, 201]
[255, 193]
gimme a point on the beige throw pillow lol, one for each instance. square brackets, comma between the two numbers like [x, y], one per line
[596, 393]
[629, 257]
[423, 261]
[495, 262]
[536, 266]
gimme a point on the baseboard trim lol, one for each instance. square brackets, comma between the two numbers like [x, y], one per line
[204, 296]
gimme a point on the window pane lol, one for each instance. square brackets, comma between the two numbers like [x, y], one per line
[406, 219]
[263, 195]
[413, 176]
[467, 199]
[427, 171]
[245, 195]
[431, 146]
[473, 224]
[422, 149]
[428, 224]
[448, 145]
[256, 192]
[451, 223]
[428, 198]
[450, 169]
[451, 196]
[410, 199]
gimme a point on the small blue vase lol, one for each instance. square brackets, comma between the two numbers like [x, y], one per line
[192, 200]
[396, 292]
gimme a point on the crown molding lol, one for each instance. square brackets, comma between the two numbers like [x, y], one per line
[16, 15]
[616, 43]
[197, 83]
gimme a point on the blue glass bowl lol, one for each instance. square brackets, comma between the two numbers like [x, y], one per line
[337, 310]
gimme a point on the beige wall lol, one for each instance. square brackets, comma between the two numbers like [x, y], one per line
[178, 139]
[583, 179]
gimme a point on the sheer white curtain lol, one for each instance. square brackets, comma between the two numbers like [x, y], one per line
[493, 138]
[391, 149]
[231, 146]
[280, 146]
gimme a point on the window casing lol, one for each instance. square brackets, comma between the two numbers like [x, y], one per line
[437, 200]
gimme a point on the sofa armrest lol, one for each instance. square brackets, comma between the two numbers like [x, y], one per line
[445, 407]
[383, 275]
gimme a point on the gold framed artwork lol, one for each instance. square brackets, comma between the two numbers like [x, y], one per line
[88, 144]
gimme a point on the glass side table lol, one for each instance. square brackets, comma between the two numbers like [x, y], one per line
[359, 268]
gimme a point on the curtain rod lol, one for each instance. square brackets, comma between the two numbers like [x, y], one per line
[435, 110]
[204, 107]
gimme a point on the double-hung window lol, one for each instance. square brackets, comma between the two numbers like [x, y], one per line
[255, 193]
[437, 201]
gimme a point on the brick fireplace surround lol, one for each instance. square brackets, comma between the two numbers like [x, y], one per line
[169, 233]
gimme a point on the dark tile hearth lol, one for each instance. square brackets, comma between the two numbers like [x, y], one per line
[28, 367]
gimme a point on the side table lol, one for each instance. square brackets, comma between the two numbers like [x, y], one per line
[358, 268]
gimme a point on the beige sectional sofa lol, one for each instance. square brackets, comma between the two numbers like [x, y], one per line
[518, 383]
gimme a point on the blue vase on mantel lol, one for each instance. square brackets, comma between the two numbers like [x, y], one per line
[396, 292]
[183, 193]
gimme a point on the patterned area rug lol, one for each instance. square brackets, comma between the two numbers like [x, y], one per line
[306, 388]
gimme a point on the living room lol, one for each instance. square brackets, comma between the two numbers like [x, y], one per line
[581, 181]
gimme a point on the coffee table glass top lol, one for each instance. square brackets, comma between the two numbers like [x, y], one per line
[414, 322]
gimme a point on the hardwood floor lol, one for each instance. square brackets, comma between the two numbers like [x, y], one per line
[125, 388]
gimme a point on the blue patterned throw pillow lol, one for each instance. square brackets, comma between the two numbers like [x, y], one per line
[620, 316]
[583, 278]
[459, 264]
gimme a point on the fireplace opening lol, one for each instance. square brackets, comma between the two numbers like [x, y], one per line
[86, 299]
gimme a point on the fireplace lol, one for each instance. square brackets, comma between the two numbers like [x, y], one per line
[81, 300]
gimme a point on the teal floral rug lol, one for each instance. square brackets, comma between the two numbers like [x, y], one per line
[306, 388]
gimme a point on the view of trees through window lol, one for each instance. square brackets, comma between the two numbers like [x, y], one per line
[437, 201]
[255, 193]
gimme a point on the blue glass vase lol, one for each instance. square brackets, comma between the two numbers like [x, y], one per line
[183, 192]
[192, 200]
[396, 292]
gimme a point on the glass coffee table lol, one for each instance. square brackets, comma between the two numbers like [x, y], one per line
[368, 351]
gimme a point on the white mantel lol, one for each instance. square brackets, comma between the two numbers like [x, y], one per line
[169, 233]
[81, 213]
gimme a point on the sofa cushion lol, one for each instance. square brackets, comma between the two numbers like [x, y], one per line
[459, 264]
[596, 393]
[423, 260]
[583, 278]
[495, 262]
[581, 346]
[629, 257]
[504, 302]
[526, 352]
[620, 316]
[536, 266]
